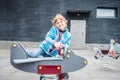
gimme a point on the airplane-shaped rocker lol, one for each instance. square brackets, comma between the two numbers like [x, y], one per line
[114, 50]
[46, 65]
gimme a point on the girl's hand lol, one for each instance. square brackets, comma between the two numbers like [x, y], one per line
[58, 45]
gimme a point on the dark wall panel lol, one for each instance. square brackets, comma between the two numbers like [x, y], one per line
[29, 20]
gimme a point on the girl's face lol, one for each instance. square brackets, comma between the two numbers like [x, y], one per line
[61, 24]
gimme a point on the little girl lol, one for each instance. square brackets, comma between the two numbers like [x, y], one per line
[57, 37]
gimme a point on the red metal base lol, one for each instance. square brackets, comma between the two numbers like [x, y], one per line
[49, 69]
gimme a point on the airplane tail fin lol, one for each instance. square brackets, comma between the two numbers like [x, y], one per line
[17, 52]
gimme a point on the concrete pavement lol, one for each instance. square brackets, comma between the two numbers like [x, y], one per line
[93, 71]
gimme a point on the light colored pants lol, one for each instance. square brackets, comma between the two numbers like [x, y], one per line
[37, 52]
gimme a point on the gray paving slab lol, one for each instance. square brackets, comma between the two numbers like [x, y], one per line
[92, 71]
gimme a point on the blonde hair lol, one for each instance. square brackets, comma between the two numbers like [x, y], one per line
[58, 16]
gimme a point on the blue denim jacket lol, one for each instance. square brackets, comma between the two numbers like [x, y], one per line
[51, 37]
